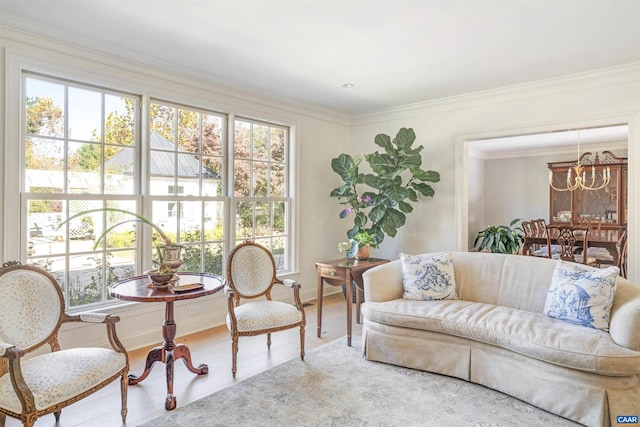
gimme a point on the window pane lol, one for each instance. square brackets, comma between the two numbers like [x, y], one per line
[119, 171]
[85, 114]
[244, 220]
[189, 173]
[277, 145]
[211, 176]
[163, 120]
[260, 142]
[45, 155]
[213, 221]
[44, 108]
[241, 178]
[212, 134]
[242, 138]
[263, 219]
[260, 179]
[120, 115]
[279, 218]
[277, 180]
[189, 131]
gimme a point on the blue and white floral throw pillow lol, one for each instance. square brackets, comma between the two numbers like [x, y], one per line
[428, 277]
[581, 295]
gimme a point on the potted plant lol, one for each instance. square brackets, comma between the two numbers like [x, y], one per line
[501, 238]
[168, 252]
[379, 201]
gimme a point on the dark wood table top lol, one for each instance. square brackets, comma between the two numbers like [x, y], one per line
[139, 288]
[352, 262]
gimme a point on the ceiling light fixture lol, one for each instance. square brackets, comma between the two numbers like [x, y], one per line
[579, 182]
[347, 85]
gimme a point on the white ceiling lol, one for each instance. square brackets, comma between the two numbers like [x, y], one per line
[394, 52]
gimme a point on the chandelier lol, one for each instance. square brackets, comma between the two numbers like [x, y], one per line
[577, 176]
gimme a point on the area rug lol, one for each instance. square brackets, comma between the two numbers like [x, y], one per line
[337, 386]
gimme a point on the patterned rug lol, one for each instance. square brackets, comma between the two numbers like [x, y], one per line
[337, 386]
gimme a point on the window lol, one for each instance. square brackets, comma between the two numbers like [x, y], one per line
[186, 182]
[83, 149]
[73, 137]
[260, 186]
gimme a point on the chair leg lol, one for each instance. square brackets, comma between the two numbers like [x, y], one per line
[57, 415]
[3, 417]
[124, 387]
[302, 342]
[234, 355]
[269, 341]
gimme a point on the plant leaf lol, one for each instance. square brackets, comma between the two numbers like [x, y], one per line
[423, 188]
[405, 207]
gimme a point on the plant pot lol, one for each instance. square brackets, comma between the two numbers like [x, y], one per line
[363, 252]
[171, 259]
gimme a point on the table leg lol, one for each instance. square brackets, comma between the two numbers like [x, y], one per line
[319, 325]
[168, 353]
[358, 302]
[349, 305]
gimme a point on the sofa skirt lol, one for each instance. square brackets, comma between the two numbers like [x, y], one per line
[590, 399]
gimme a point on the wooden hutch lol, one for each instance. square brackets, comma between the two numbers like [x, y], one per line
[607, 205]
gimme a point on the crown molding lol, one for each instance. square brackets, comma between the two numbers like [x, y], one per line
[563, 84]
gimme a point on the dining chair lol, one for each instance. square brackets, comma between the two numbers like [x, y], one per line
[604, 257]
[567, 237]
[539, 229]
[31, 314]
[251, 274]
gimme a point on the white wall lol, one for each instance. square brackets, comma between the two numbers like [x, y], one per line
[444, 127]
[317, 135]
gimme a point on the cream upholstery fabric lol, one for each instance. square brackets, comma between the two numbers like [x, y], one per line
[252, 271]
[29, 312]
[58, 376]
[498, 336]
[258, 315]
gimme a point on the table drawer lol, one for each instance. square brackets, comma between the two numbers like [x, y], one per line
[332, 273]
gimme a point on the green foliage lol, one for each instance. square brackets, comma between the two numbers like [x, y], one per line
[397, 179]
[500, 239]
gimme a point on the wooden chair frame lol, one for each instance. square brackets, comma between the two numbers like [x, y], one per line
[11, 357]
[567, 239]
[235, 296]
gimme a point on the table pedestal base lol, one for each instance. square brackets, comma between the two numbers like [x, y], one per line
[168, 353]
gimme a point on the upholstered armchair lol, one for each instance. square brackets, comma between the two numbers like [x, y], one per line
[251, 275]
[31, 313]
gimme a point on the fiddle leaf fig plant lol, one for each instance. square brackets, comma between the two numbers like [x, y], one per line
[380, 200]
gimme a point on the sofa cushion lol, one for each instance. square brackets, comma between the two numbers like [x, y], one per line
[531, 334]
[581, 295]
[428, 277]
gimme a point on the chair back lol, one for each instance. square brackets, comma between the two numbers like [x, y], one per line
[621, 247]
[567, 237]
[527, 227]
[31, 306]
[539, 227]
[251, 270]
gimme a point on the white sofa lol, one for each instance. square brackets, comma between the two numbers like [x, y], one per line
[496, 335]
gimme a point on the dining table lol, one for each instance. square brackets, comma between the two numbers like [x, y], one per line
[604, 238]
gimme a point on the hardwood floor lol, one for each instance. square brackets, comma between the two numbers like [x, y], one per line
[213, 347]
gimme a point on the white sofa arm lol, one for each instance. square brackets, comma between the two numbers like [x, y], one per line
[624, 326]
[384, 282]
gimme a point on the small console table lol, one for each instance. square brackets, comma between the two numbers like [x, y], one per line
[344, 270]
[139, 289]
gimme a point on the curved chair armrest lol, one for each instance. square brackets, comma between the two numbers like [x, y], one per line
[104, 318]
[290, 283]
[624, 326]
[91, 318]
[10, 351]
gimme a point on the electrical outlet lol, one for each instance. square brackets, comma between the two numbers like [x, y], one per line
[193, 309]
